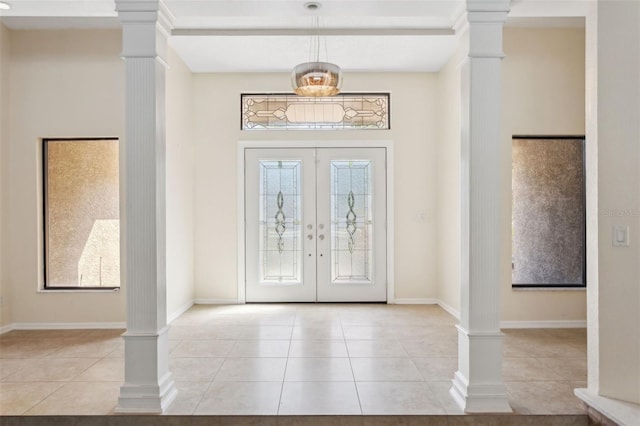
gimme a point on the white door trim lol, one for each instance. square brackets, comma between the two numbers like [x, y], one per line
[388, 144]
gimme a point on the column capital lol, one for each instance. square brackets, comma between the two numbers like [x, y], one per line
[146, 24]
[488, 5]
[485, 20]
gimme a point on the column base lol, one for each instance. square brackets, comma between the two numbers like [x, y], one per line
[477, 385]
[149, 387]
[146, 399]
[479, 398]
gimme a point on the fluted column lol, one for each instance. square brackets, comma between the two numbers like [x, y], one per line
[478, 385]
[148, 386]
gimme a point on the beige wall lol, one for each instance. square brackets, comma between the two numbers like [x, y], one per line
[543, 94]
[618, 93]
[5, 289]
[448, 182]
[180, 185]
[64, 84]
[413, 131]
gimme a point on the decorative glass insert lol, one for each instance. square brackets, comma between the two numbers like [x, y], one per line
[81, 213]
[351, 222]
[343, 111]
[280, 218]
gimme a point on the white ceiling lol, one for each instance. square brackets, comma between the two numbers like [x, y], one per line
[274, 35]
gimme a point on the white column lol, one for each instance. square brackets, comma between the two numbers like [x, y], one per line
[148, 386]
[477, 385]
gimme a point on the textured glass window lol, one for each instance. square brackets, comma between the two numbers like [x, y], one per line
[81, 213]
[280, 230]
[351, 222]
[291, 112]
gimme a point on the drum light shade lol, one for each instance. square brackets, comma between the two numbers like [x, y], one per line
[316, 79]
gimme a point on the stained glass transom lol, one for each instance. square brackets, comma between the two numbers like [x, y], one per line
[280, 218]
[287, 112]
[351, 222]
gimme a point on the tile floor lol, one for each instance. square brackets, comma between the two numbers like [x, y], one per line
[291, 359]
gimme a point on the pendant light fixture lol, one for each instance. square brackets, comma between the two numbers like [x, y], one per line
[316, 78]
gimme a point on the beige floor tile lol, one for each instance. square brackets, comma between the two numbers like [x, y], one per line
[118, 350]
[267, 332]
[318, 370]
[105, 370]
[319, 398]
[567, 368]
[260, 348]
[317, 333]
[8, 366]
[203, 348]
[375, 349]
[398, 398]
[211, 332]
[440, 390]
[531, 369]
[549, 397]
[384, 369]
[318, 348]
[17, 398]
[29, 348]
[189, 396]
[363, 332]
[240, 398]
[80, 398]
[436, 347]
[252, 370]
[194, 369]
[52, 370]
[228, 344]
[91, 348]
[436, 369]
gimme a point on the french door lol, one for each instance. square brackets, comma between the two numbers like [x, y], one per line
[315, 224]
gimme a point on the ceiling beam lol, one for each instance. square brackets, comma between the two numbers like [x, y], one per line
[289, 32]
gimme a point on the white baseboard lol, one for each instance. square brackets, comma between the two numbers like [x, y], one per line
[6, 328]
[544, 324]
[416, 301]
[181, 310]
[216, 302]
[450, 309]
[621, 412]
[66, 325]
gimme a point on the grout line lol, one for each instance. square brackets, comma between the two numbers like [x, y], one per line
[355, 384]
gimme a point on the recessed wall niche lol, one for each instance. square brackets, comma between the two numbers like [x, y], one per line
[548, 212]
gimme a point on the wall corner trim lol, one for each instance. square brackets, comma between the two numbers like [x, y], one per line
[415, 301]
[544, 324]
[450, 309]
[217, 302]
[64, 326]
[621, 412]
[6, 328]
[181, 310]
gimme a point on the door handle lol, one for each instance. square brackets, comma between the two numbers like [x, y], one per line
[321, 237]
[309, 237]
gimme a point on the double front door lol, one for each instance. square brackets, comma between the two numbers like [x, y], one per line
[315, 225]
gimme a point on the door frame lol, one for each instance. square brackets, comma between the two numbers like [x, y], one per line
[267, 144]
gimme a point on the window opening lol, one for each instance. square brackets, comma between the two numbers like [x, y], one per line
[292, 112]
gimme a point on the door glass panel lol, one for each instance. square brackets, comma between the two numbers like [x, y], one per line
[280, 218]
[351, 222]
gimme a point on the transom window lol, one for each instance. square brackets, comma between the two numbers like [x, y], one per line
[290, 112]
[81, 213]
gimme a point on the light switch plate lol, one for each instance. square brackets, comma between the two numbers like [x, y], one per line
[620, 235]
